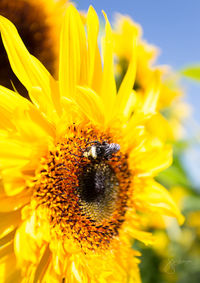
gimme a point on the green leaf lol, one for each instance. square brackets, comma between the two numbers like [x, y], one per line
[191, 203]
[192, 72]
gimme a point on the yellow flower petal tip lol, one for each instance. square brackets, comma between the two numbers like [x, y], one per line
[77, 163]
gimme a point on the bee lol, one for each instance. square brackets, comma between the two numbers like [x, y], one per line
[98, 150]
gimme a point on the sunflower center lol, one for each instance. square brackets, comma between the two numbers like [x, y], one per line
[31, 20]
[84, 184]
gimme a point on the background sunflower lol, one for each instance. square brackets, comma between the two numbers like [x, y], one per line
[38, 23]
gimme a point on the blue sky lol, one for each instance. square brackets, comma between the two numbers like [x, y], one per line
[173, 26]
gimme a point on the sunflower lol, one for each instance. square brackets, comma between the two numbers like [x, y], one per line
[77, 164]
[38, 23]
[170, 100]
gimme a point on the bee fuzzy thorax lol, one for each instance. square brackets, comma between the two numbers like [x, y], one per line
[102, 150]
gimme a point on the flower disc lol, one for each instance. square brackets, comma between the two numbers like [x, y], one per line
[84, 184]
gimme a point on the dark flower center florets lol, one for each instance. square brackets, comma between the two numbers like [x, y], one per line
[85, 185]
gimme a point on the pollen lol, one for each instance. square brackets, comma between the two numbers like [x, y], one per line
[84, 185]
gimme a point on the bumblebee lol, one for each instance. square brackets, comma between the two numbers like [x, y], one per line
[99, 151]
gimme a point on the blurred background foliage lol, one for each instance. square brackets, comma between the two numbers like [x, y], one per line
[177, 259]
[175, 256]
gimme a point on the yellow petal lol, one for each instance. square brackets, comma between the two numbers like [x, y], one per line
[6, 250]
[73, 53]
[13, 157]
[145, 237]
[15, 275]
[9, 221]
[152, 95]
[13, 149]
[18, 111]
[25, 246]
[90, 104]
[75, 273]
[42, 266]
[26, 67]
[158, 126]
[149, 162]
[7, 238]
[9, 101]
[108, 88]
[36, 120]
[125, 98]
[160, 200]
[13, 180]
[8, 271]
[8, 203]
[94, 58]
[29, 242]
